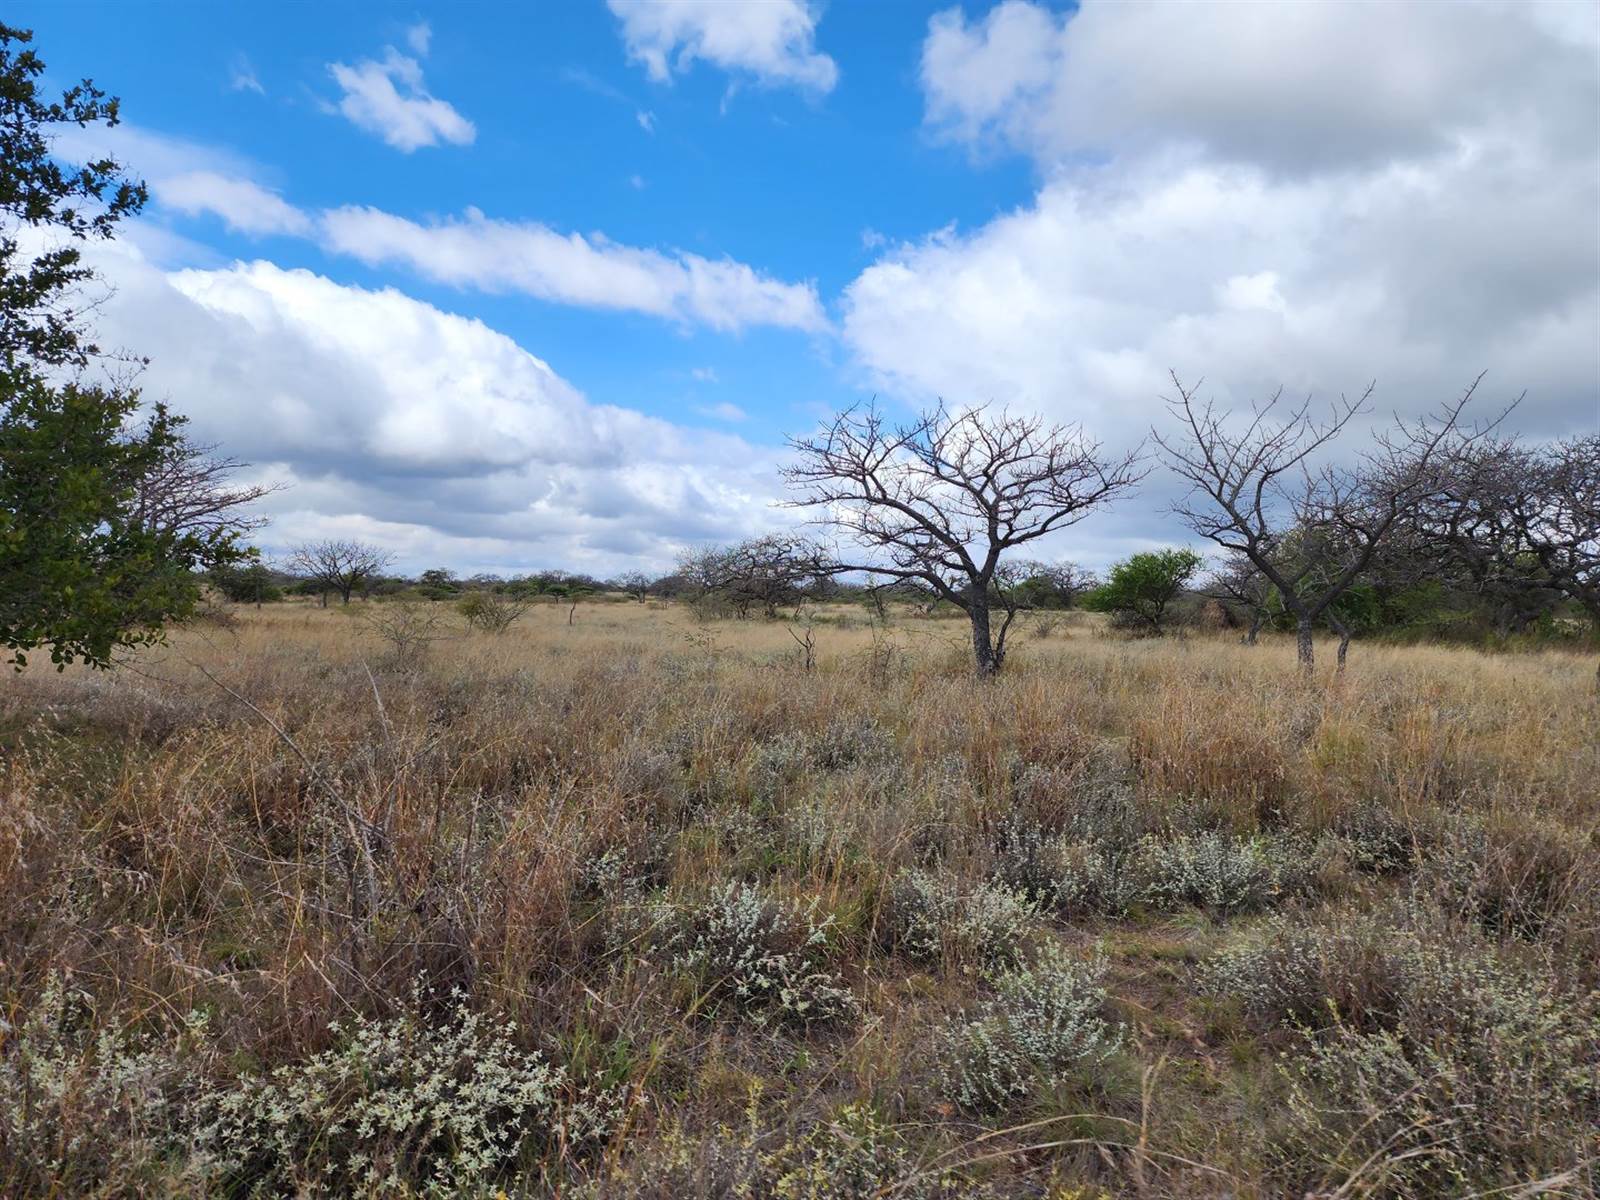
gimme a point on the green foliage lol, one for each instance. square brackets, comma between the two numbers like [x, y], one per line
[1141, 588]
[251, 583]
[79, 571]
[36, 190]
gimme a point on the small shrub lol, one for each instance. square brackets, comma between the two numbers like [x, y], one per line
[409, 627]
[936, 921]
[1379, 842]
[762, 956]
[400, 1103]
[79, 1113]
[492, 612]
[1487, 1078]
[1044, 1025]
[1221, 874]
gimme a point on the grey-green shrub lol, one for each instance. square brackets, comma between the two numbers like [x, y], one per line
[761, 955]
[79, 1114]
[1045, 1023]
[398, 1104]
[935, 920]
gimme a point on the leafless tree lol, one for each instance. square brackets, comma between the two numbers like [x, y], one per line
[1521, 522]
[1239, 583]
[767, 571]
[1311, 529]
[942, 499]
[340, 566]
[190, 490]
[635, 584]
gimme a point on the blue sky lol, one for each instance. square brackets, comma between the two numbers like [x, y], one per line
[506, 286]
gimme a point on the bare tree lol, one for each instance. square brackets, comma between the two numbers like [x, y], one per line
[1521, 522]
[1239, 583]
[338, 565]
[767, 571]
[189, 490]
[1311, 530]
[635, 584]
[942, 499]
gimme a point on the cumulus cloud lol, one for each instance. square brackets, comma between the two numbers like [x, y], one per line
[1230, 234]
[774, 42]
[1289, 86]
[1309, 196]
[573, 269]
[420, 429]
[389, 98]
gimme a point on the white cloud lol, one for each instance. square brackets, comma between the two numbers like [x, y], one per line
[419, 37]
[573, 269]
[242, 76]
[190, 178]
[722, 412]
[243, 206]
[1286, 86]
[704, 374]
[647, 120]
[1079, 302]
[774, 41]
[1308, 195]
[388, 97]
[425, 431]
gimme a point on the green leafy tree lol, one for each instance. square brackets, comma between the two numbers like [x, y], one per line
[82, 571]
[1140, 589]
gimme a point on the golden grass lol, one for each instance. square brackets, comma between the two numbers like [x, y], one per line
[166, 849]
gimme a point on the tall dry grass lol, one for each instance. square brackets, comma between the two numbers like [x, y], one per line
[283, 826]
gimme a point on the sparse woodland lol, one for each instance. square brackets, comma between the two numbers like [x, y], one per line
[867, 858]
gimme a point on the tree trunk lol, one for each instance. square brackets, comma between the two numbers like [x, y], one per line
[1254, 631]
[982, 647]
[322, 597]
[1303, 648]
[1343, 631]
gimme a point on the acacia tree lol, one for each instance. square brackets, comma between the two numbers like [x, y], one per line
[767, 571]
[340, 566]
[188, 488]
[941, 500]
[1141, 588]
[1311, 530]
[1238, 582]
[1522, 522]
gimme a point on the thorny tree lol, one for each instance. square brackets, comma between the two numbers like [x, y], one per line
[1312, 530]
[338, 566]
[766, 571]
[1522, 523]
[942, 499]
[189, 489]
